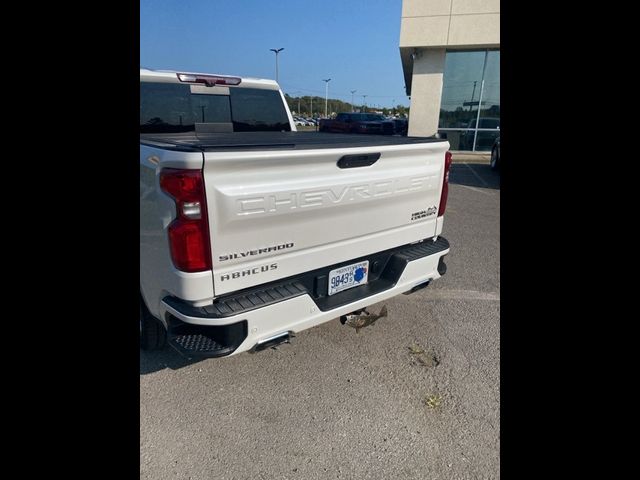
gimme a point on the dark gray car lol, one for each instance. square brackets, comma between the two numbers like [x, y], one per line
[485, 138]
[495, 155]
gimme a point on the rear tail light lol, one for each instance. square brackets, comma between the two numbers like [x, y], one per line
[189, 232]
[445, 184]
[209, 80]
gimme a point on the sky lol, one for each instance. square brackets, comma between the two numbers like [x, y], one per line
[353, 42]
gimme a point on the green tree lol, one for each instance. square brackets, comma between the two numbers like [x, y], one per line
[334, 105]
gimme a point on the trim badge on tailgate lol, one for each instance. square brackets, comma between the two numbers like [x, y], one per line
[257, 251]
[423, 213]
[248, 271]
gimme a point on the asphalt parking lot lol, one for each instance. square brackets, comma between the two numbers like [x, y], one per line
[415, 396]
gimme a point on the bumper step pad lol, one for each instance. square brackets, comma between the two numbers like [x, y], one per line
[205, 341]
[197, 343]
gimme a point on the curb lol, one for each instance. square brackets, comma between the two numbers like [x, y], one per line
[467, 157]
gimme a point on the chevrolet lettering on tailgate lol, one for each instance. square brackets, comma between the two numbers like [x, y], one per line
[286, 201]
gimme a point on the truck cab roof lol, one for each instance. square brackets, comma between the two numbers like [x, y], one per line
[171, 76]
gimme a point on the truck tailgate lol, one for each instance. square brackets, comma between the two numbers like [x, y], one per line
[278, 213]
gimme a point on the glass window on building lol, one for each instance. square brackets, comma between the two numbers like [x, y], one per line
[470, 107]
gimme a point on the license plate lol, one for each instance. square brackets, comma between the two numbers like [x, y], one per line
[348, 277]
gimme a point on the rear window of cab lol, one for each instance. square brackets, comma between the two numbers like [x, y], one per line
[173, 108]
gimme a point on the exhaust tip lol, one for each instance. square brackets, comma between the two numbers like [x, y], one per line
[420, 286]
[272, 342]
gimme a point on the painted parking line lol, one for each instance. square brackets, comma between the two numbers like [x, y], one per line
[476, 174]
[438, 294]
[484, 192]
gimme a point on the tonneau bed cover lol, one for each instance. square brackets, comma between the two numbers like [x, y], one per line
[207, 142]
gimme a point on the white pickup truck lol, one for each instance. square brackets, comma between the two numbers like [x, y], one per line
[251, 231]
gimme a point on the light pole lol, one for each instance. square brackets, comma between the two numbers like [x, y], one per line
[277, 51]
[326, 95]
[364, 101]
[352, 92]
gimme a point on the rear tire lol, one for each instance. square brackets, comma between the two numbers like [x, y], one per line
[495, 161]
[153, 335]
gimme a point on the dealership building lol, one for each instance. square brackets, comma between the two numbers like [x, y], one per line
[450, 51]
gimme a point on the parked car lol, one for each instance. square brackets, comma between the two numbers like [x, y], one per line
[485, 139]
[302, 122]
[401, 126]
[495, 155]
[358, 123]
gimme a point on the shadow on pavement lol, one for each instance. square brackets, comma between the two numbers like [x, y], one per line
[474, 175]
[151, 362]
